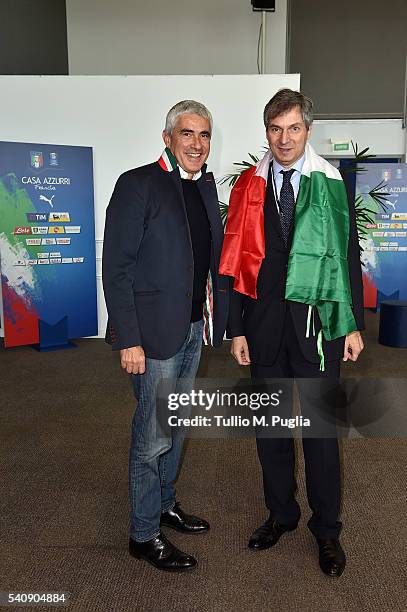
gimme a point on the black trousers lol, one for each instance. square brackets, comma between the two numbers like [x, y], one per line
[321, 454]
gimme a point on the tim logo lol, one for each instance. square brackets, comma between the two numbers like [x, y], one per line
[37, 217]
[37, 160]
[49, 200]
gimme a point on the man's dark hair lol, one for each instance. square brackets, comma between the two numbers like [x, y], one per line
[285, 100]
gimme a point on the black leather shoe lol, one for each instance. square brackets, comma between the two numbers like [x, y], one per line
[162, 554]
[186, 523]
[332, 559]
[268, 534]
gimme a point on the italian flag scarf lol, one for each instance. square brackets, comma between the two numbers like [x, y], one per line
[168, 162]
[317, 266]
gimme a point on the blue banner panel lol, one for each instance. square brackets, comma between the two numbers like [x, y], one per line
[385, 245]
[47, 240]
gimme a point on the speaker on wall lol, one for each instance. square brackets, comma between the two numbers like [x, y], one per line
[264, 5]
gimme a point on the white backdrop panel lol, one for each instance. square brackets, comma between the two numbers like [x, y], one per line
[122, 119]
[384, 137]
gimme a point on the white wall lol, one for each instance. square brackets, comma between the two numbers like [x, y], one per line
[384, 137]
[172, 37]
[122, 119]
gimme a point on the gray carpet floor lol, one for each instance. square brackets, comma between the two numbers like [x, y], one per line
[65, 421]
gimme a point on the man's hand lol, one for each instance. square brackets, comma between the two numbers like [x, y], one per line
[240, 350]
[353, 346]
[133, 360]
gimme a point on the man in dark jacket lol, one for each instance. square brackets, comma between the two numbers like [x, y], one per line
[162, 245]
[291, 245]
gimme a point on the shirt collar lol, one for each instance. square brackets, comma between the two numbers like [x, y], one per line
[297, 166]
[184, 175]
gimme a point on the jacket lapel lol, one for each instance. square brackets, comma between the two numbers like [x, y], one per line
[207, 189]
[176, 179]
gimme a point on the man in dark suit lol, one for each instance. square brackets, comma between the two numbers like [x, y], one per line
[162, 244]
[291, 244]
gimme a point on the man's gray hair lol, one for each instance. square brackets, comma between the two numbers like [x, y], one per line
[285, 100]
[181, 108]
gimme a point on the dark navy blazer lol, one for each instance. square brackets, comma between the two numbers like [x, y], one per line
[148, 265]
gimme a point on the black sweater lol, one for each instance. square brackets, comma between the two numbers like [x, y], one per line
[201, 244]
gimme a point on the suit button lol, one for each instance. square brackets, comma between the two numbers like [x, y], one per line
[189, 294]
[190, 269]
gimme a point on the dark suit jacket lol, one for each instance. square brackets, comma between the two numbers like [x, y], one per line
[148, 265]
[262, 320]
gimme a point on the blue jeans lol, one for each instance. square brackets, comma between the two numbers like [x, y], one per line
[154, 460]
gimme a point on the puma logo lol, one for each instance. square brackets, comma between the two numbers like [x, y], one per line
[42, 197]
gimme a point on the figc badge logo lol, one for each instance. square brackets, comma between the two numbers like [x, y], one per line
[37, 160]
